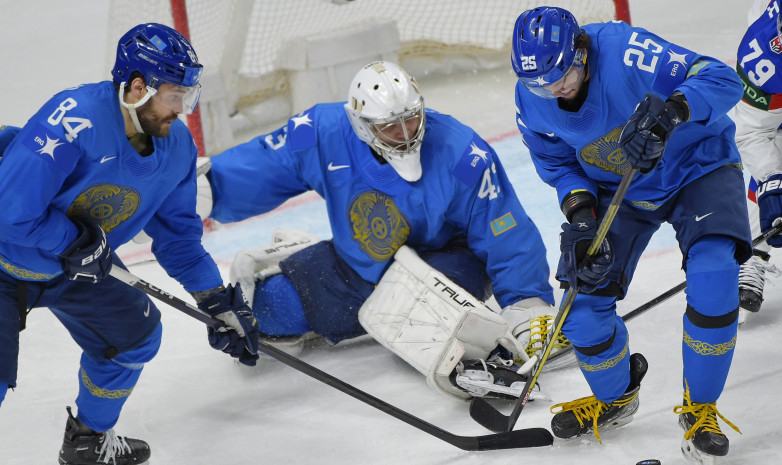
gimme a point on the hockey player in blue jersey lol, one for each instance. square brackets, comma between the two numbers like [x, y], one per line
[758, 117]
[92, 168]
[425, 227]
[593, 103]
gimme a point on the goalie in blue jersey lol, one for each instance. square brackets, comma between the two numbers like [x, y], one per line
[92, 168]
[594, 102]
[426, 227]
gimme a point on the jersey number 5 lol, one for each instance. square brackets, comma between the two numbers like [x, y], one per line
[71, 124]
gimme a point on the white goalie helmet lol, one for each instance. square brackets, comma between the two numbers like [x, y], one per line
[386, 110]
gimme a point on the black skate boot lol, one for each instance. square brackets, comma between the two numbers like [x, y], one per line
[83, 446]
[495, 378]
[587, 414]
[751, 281]
[703, 439]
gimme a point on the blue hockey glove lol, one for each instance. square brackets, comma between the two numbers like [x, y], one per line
[574, 242]
[646, 133]
[239, 338]
[88, 257]
[769, 194]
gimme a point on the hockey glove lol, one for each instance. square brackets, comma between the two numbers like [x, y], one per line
[646, 133]
[88, 257]
[239, 338]
[574, 265]
[769, 194]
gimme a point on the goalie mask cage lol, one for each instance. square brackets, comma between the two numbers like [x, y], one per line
[266, 60]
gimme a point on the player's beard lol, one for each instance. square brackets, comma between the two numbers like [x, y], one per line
[152, 123]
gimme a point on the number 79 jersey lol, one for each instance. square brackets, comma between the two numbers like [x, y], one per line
[463, 193]
[759, 114]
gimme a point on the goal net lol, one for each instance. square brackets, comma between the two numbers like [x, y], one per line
[256, 72]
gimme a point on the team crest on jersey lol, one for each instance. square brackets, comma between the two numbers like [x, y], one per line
[108, 205]
[775, 45]
[377, 224]
[605, 153]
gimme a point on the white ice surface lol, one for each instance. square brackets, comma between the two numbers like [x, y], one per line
[194, 406]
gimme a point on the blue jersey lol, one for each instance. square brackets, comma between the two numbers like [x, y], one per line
[72, 158]
[580, 150]
[463, 193]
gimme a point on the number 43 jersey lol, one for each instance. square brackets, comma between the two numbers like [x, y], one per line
[72, 158]
[463, 193]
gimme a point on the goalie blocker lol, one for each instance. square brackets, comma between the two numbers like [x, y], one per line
[439, 328]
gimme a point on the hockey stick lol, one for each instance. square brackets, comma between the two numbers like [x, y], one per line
[531, 437]
[480, 409]
[669, 293]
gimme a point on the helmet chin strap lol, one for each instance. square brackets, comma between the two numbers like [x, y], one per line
[132, 106]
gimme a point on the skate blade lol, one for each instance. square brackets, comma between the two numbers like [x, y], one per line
[693, 455]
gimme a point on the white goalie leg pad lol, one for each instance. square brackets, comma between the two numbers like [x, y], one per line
[258, 263]
[430, 322]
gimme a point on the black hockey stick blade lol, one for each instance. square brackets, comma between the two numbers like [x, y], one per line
[482, 411]
[494, 420]
[531, 437]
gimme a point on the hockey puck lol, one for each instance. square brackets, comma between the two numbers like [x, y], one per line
[649, 462]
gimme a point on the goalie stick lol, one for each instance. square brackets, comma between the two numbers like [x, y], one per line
[666, 295]
[480, 409]
[530, 437]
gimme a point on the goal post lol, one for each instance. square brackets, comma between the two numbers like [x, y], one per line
[265, 60]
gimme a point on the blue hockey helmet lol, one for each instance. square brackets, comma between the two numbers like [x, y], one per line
[159, 53]
[544, 47]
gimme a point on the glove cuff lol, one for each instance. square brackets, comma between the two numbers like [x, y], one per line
[677, 103]
[579, 204]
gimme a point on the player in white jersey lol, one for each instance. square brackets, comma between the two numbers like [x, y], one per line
[758, 118]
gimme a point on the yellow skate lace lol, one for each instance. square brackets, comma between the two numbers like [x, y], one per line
[539, 328]
[705, 414]
[589, 408]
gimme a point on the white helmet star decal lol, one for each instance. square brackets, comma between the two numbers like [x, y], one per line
[540, 81]
[51, 144]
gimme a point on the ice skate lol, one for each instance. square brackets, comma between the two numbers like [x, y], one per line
[493, 378]
[83, 446]
[539, 330]
[587, 414]
[703, 440]
[751, 280]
